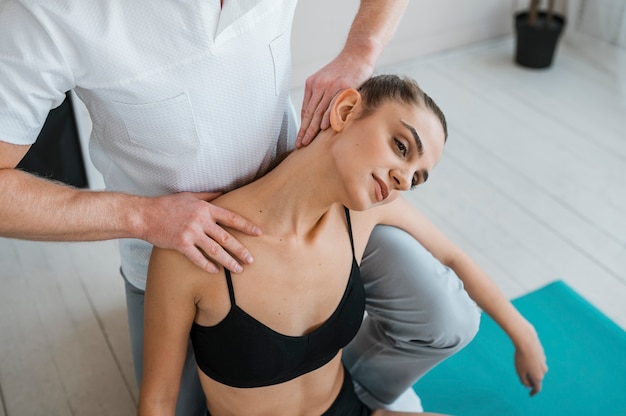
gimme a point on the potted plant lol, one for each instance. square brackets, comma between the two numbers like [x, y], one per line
[538, 32]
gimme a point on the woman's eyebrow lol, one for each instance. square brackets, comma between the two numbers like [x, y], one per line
[416, 137]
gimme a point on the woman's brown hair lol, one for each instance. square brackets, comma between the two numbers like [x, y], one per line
[382, 88]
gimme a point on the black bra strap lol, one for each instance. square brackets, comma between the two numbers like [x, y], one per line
[349, 228]
[229, 282]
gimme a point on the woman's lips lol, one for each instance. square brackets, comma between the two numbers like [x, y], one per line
[382, 191]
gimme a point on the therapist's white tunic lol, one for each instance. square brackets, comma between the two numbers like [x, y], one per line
[183, 95]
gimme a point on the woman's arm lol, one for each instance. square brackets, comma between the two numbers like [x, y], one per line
[530, 360]
[169, 312]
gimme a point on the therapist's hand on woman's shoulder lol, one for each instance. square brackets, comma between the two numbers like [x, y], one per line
[189, 223]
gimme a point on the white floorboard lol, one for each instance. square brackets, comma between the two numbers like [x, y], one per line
[532, 186]
[56, 353]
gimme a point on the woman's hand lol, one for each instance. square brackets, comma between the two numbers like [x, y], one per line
[530, 362]
[188, 223]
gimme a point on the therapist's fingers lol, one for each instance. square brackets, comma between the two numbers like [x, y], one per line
[315, 114]
[345, 71]
[189, 224]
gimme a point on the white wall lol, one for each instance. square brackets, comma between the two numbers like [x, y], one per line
[605, 20]
[428, 26]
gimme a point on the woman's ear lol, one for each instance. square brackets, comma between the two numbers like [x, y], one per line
[344, 106]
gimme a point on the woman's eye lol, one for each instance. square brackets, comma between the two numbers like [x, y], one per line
[415, 181]
[401, 147]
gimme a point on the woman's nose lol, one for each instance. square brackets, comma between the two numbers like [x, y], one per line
[402, 180]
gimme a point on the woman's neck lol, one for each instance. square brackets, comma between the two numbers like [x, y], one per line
[294, 198]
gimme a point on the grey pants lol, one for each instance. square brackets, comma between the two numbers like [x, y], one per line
[418, 314]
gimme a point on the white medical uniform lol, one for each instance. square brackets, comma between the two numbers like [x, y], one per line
[183, 95]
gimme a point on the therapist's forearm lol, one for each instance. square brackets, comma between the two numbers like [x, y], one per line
[33, 208]
[373, 27]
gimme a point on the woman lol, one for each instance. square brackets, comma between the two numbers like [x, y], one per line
[268, 341]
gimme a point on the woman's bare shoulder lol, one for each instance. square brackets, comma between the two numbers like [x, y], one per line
[168, 258]
[170, 267]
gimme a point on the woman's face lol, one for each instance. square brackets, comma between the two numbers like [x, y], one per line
[393, 149]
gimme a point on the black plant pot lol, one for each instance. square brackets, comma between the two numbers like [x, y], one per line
[537, 43]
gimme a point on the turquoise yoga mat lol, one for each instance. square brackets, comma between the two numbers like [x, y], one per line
[586, 354]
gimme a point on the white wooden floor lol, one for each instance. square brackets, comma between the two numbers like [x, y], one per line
[532, 185]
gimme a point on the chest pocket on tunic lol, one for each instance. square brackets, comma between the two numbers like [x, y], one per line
[165, 127]
[280, 50]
